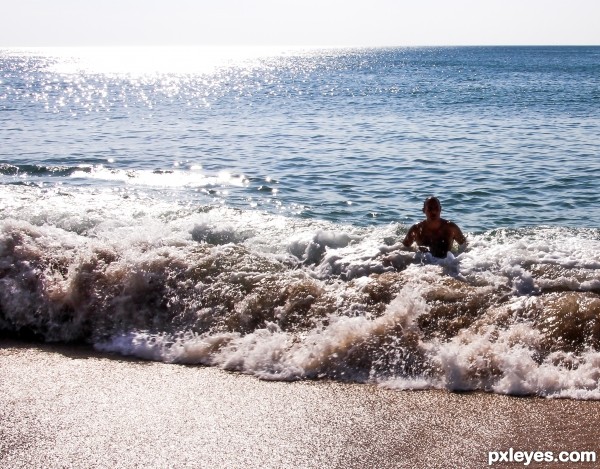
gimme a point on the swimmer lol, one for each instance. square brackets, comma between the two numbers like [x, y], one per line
[434, 234]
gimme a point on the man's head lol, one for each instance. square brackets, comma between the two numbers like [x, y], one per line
[432, 208]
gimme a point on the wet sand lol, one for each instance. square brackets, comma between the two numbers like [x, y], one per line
[72, 407]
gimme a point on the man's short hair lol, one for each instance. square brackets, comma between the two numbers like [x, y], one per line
[430, 198]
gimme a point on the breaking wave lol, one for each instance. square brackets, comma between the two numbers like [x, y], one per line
[284, 298]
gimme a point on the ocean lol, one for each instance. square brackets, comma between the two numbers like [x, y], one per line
[232, 207]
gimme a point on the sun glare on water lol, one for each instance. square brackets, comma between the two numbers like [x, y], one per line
[158, 60]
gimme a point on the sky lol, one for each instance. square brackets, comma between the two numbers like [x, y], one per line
[369, 23]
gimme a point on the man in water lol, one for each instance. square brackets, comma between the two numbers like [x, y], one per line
[434, 234]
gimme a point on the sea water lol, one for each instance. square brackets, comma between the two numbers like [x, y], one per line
[233, 208]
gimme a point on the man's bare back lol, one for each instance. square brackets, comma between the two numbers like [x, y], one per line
[434, 234]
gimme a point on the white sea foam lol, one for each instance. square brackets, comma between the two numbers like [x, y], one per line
[286, 298]
[175, 178]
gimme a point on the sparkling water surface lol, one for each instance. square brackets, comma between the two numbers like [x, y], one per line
[505, 136]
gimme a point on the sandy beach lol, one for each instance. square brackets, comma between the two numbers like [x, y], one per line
[68, 406]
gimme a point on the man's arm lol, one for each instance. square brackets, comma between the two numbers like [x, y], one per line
[457, 235]
[396, 260]
[410, 237]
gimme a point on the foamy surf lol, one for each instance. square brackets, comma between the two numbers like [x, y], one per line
[284, 298]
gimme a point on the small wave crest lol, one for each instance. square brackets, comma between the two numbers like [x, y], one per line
[35, 170]
[191, 177]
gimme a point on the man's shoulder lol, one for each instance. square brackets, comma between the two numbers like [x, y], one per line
[451, 227]
[456, 232]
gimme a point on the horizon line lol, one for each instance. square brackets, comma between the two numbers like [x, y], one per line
[284, 46]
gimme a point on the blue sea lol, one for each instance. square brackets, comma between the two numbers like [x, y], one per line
[233, 207]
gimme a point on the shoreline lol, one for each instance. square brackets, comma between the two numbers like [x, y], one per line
[70, 406]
